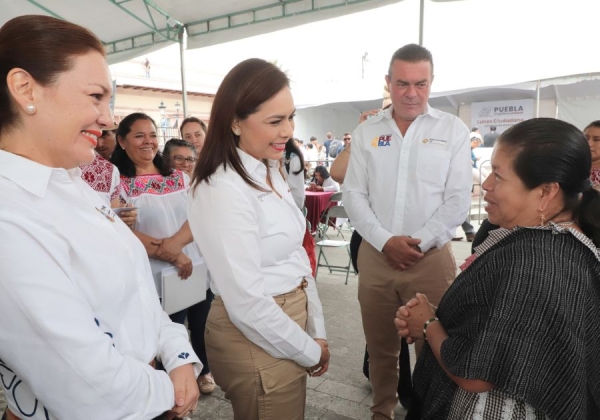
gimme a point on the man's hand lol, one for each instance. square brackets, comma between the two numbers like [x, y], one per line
[402, 252]
[321, 367]
[186, 391]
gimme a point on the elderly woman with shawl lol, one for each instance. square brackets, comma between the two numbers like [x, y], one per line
[517, 335]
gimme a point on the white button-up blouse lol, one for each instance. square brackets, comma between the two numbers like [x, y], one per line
[251, 241]
[80, 318]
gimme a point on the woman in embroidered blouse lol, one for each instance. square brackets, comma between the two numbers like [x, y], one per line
[265, 328]
[80, 321]
[160, 193]
[517, 334]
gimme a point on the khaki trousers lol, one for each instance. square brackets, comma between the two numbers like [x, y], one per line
[381, 290]
[259, 386]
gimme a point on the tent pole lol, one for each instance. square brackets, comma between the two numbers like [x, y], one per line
[182, 44]
[421, 16]
[537, 105]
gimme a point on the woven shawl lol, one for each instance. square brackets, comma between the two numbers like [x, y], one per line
[525, 316]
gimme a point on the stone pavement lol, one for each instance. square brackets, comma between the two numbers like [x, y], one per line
[343, 393]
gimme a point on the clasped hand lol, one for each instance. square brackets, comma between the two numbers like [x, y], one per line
[411, 317]
[186, 391]
[323, 365]
[402, 252]
[170, 250]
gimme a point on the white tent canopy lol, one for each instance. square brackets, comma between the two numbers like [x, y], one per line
[130, 28]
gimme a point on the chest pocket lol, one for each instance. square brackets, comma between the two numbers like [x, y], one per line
[433, 165]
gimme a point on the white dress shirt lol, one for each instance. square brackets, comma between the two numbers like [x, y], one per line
[79, 315]
[416, 185]
[330, 185]
[251, 242]
[296, 181]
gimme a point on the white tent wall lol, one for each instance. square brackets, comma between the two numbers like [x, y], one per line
[318, 120]
[579, 112]
[547, 109]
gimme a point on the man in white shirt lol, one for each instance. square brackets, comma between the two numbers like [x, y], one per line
[406, 191]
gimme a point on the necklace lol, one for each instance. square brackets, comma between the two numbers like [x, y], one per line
[570, 222]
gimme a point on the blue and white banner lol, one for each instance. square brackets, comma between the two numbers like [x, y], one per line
[502, 114]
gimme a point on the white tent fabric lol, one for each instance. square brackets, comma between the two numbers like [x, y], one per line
[575, 99]
[135, 27]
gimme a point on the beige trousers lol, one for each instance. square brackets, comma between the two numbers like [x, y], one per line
[259, 386]
[381, 290]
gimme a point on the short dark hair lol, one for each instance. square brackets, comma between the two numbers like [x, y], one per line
[44, 47]
[549, 150]
[412, 53]
[173, 143]
[592, 124]
[474, 129]
[492, 128]
[192, 120]
[313, 138]
[243, 90]
[120, 158]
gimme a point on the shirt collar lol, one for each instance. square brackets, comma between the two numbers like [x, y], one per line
[387, 113]
[255, 168]
[30, 175]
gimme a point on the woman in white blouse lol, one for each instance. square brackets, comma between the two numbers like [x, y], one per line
[80, 320]
[322, 181]
[265, 329]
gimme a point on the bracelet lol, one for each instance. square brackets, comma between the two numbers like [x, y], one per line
[429, 321]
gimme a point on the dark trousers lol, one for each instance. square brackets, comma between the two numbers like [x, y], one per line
[405, 381]
[196, 316]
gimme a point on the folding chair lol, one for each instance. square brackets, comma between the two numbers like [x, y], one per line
[328, 243]
[335, 211]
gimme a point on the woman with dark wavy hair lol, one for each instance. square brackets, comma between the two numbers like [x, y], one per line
[159, 192]
[517, 336]
[265, 329]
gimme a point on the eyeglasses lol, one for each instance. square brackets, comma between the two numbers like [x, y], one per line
[347, 138]
[180, 160]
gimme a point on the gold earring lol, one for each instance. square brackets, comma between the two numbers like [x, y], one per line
[542, 219]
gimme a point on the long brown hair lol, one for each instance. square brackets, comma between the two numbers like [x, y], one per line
[245, 88]
[44, 47]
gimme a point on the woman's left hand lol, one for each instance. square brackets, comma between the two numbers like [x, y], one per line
[129, 218]
[186, 391]
[184, 264]
[411, 317]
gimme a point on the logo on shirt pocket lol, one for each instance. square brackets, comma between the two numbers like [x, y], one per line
[382, 141]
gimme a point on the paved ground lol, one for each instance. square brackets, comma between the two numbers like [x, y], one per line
[343, 393]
